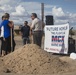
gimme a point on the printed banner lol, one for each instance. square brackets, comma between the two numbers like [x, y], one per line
[56, 38]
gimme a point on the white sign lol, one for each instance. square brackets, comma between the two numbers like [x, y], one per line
[56, 38]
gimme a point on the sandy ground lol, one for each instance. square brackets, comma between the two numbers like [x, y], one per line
[18, 41]
[63, 58]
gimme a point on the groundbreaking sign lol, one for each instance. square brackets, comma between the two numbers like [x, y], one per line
[56, 38]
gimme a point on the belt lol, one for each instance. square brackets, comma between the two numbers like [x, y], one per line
[38, 31]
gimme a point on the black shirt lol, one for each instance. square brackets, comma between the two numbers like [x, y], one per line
[25, 31]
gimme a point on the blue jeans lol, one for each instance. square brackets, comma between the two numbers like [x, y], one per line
[26, 40]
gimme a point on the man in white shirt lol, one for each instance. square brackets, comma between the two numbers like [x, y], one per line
[36, 27]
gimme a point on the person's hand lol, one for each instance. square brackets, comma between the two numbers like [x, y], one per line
[20, 33]
[11, 24]
[31, 33]
[4, 39]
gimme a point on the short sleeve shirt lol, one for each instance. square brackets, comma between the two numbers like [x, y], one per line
[25, 31]
[36, 24]
[2, 32]
[6, 28]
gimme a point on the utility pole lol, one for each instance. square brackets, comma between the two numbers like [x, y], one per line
[42, 18]
[42, 12]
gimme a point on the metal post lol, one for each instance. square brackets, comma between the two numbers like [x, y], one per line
[42, 12]
[42, 18]
[11, 41]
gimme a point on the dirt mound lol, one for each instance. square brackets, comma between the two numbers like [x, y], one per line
[30, 59]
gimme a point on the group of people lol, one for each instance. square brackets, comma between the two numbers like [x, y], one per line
[36, 29]
[6, 31]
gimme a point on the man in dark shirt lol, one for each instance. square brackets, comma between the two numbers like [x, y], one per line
[25, 31]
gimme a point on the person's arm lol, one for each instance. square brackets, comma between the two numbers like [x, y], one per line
[11, 24]
[30, 31]
[21, 31]
[32, 25]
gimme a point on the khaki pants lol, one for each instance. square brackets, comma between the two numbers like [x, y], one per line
[37, 37]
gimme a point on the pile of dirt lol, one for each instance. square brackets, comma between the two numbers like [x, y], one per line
[30, 59]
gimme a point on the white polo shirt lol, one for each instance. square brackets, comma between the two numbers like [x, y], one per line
[36, 25]
[2, 32]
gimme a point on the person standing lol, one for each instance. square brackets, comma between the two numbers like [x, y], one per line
[25, 32]
[13, 44]
[2, 50]
[7, 33]
[36, 27]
